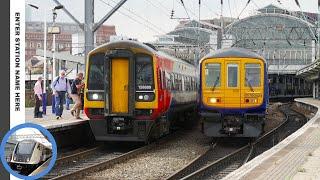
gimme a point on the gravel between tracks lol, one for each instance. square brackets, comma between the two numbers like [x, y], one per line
[274, 117]
[160, 162]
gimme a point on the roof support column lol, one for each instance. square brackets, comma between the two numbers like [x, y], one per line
[88, 27]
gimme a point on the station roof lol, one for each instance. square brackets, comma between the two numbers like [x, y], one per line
[311, 71]
[285, 38]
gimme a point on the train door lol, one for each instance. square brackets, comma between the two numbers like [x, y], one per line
[119, 85]
[232, 91]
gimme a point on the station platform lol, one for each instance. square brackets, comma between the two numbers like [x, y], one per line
[50, 122]
[296, 157]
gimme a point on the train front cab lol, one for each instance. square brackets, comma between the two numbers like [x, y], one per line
[29, 154]
[233, 96]
[121, 98]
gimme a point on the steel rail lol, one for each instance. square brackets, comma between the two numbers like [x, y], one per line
[237, 158]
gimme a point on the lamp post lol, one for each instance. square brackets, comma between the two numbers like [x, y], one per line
[44, 99]
[54, 16]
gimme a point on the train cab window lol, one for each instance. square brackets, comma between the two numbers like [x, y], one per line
[212, 74]
[25, 148]
[95, 76]
[144, 73]
[253, 75]
[232, 75]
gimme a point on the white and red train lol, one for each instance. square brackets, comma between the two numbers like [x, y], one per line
[135, 93]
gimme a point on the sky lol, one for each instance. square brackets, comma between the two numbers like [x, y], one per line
[146, 19]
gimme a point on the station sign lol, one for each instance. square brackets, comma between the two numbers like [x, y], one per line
[54, 30]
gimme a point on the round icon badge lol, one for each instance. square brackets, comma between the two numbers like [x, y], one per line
[28, 151]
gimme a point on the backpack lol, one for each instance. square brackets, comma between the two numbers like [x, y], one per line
[74, 89]
[57, 81]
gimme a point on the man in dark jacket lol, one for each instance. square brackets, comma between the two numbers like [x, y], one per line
[76, 86]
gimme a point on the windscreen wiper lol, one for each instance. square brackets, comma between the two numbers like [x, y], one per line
[215, 83]
[250, 86]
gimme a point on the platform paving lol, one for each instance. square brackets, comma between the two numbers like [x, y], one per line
[49, 120]
[296, 157]
[311, 168]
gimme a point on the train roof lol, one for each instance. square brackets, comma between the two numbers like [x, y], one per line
[47, 144]
[149, 48]
[125, 44]
[233, 52]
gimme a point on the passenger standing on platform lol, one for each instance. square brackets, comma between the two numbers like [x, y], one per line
[38, 97]
[60, 86]
[76, 86]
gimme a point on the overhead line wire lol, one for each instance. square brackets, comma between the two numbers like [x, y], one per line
[142, 18]
[151, 28]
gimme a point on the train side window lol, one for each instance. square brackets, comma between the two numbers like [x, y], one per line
[160, 80]
[176, 83]
[212, 74]
[232, 75]
[192, 84]
[180, 82]
[252, 75]
[168, 80]
[163, 76]
[187, 83]
[172, 80]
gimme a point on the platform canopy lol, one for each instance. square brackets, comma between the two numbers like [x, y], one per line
[64, 55]
[310, 72]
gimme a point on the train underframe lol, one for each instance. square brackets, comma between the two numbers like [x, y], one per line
[126, 128]
[246, 125]
[119, 128]
[24, 169]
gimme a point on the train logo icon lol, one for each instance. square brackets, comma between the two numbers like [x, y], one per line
[28, 151]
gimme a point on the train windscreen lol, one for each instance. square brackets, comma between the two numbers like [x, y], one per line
[212, 73]
[253, 75]
[25, 148]
[144, 73]
[95, 76]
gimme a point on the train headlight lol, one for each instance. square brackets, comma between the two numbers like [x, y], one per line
[213, 100]
[14, 158]
[145, 96]
[95, 96]
[28, 159]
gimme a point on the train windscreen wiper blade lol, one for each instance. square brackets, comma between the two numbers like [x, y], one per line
[215, 83]
[250, 86]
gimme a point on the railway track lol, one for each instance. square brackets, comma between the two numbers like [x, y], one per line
[72, 163]
[217, 168]
[95, 159]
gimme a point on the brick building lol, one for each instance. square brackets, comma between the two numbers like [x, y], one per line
[34, 37]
